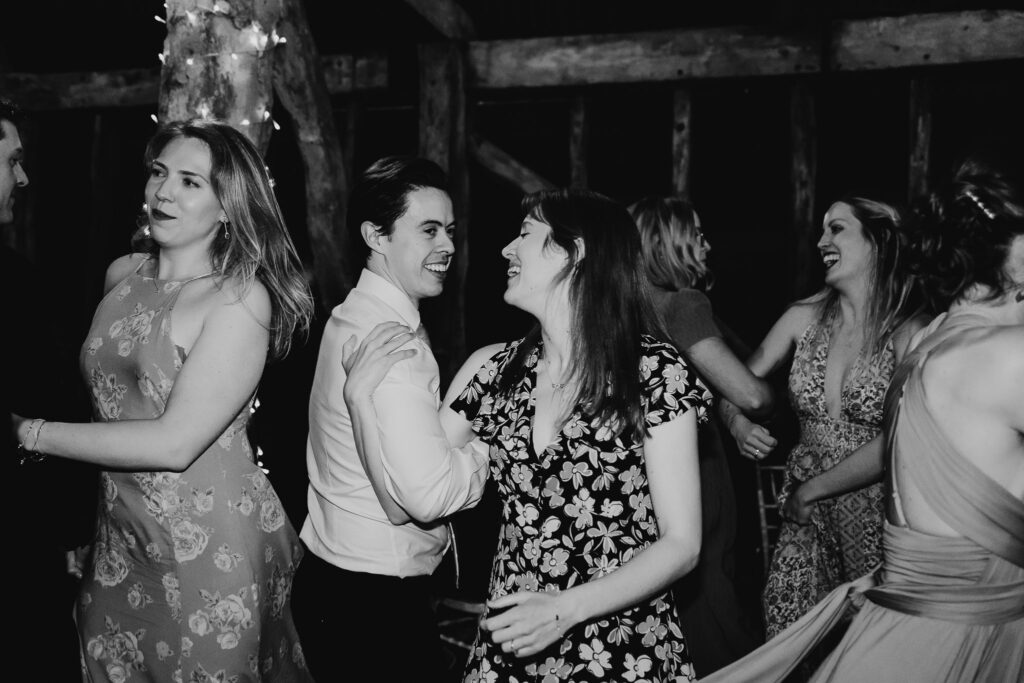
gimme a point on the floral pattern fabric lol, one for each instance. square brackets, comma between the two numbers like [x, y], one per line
[844, 539]
[576, 512]
[190, 575]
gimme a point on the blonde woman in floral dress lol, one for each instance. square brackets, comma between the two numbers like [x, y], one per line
[191, 567]
[592, 429]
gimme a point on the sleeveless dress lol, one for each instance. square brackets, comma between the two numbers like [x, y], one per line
[191, 572]
[945, 609]
[844, 539]
[573, 513]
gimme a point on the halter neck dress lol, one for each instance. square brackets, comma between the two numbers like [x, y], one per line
[844, 538]
[190, 573]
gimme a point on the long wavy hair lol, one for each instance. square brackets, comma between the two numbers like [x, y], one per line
[963, 232]
[259, 246]
[892, 293]
[670, 240]
[610, 302]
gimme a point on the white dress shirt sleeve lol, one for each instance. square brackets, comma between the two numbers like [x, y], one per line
[424, 473]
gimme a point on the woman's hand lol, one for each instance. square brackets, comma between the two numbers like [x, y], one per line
[753, 440]
[798, 507]
[19, 427]
[367, 365]
[532, 622]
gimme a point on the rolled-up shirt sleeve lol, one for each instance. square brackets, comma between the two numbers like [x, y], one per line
[424, 473]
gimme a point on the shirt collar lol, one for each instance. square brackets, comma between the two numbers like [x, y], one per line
[374, 285]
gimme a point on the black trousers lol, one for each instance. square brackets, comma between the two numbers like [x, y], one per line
[366, 627]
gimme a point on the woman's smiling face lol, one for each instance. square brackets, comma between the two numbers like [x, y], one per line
[845, 249]
[535, 266]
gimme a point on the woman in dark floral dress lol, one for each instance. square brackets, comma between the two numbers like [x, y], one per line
[592, 428]
[191, 567]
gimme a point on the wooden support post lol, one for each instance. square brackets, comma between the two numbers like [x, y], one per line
[442, 138]
[681, 141]
[217, 63]
[302, 89]
[803, 128]
[579, 138]
[920, 137]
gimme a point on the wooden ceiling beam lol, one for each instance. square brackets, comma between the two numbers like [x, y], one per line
[140, 87]
[881, 43]
[447, 16]
[924, 39]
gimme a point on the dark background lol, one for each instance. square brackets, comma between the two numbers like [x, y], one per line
[86, 165]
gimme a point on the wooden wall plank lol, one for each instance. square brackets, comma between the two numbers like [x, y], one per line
[923, 39]
[443, 139]
[302, 89]
[682, 138]
[920, 137]
[803, 174]
[579, 137]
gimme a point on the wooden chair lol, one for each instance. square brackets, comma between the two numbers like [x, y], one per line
[769, 486]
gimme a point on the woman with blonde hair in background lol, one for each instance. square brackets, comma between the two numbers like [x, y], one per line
[675, 260]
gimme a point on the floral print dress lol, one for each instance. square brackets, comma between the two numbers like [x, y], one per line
[844, 539]
[190, 574]
[574, 513]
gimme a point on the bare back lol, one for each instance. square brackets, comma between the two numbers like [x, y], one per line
[974, 387]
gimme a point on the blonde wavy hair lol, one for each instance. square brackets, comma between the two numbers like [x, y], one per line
[670, 240]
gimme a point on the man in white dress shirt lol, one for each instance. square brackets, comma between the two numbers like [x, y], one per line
[362, 593]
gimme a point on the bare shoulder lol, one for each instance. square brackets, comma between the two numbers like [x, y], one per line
[985, 363]
[907, 335]
[120, 268]
[800, 314]
[232, 297]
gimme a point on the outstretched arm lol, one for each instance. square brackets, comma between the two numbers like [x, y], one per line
[753, 440]
[217, 379]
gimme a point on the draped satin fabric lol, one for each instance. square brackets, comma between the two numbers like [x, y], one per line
[943, 608]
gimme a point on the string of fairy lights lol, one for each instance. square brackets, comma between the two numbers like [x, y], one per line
[258, 39]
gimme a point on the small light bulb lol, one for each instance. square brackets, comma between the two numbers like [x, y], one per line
[244, 122]
[159, 18]
[256, 403]
[190, 61]
[155, 119]
[276, 127]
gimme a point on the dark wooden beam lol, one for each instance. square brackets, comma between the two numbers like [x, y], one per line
[641, 57]
[920, 137]
[443, 139]
[141, 87]
[447, 16]
[579, 137]
[923, 39]
[682, 137]
[504, 165]
[302, 89]
[803, 127]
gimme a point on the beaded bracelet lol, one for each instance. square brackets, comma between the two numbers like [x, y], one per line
[27, 454]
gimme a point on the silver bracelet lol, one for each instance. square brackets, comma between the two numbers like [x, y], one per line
[27, 454]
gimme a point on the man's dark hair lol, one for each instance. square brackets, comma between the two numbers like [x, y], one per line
[9, 112]
[380, 196]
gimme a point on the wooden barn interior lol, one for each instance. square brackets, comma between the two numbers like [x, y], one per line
[763, 113]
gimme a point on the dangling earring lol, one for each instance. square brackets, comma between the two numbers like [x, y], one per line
[226, 233]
